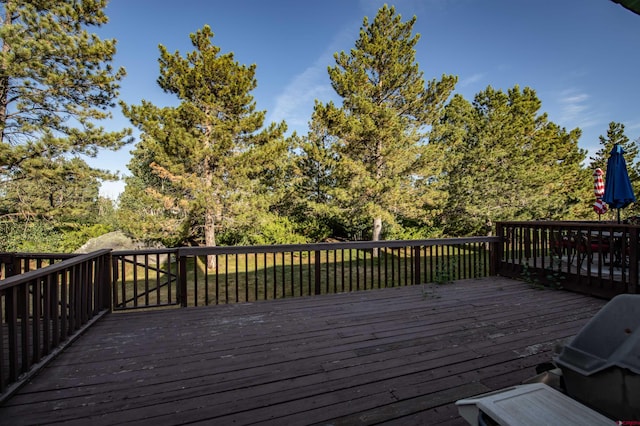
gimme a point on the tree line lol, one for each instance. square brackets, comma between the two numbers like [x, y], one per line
[399, 157]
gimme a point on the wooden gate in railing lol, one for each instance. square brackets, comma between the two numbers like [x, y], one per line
[595, 258]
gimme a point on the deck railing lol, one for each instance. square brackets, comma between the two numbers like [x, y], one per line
[596, 258]
[249, 273]
[42, 310]
[19, 263]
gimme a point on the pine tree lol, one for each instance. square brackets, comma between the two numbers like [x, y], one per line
[616, 135]
[502, 160]
[314, 182]
[210, 148]
[64, 193]
[381, 127]
[151, 207]
[56, 82]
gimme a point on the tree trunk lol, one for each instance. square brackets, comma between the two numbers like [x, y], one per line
[377, 221]
[210, 236]
[4, 85]
[377, 230]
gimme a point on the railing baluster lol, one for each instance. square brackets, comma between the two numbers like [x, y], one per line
[36, 318]
[25, 332]
[255, 275]
[53, 312]
[406, 261]
[364, 269]
[237, 279]
[246, 277]
[217, 272]
[328, 267]
[11, 300]
[274, 258]
[283, 268]
[226, 278]
[157, 280]
[196, 260]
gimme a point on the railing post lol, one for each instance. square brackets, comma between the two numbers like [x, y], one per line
[416, 266]
[495, 250]
[527, 244]
[633, 260]
[318, 272]
[182, 279]
[11, 312]
[8, 265]
[105, 282]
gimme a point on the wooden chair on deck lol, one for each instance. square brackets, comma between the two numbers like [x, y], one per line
[561, 245]
[579, 247]
[587, 247]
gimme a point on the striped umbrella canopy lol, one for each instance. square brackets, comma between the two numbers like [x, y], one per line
[598, 182]
[598, 189]
[600, 207]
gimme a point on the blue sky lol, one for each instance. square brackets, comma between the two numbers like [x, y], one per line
[582, 57]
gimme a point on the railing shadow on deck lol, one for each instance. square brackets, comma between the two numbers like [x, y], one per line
[595, 258]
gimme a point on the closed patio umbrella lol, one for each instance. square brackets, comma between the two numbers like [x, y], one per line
[618, 192]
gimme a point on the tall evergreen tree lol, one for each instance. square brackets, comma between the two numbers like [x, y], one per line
[56, 82]
[314, 183]
[64, 192]
[210, 147]
[51, 208]
[616, 135]
[152, 208]
[502, 160]
[381, 127]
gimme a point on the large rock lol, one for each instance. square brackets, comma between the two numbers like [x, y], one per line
[113, 240]
[116, 241]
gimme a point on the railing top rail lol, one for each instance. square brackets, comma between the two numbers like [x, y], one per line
[144, 251]
[31, 255]
[570, 224]
[51, 269]
[192, 251]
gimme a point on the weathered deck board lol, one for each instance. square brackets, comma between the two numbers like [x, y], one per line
[400, 356]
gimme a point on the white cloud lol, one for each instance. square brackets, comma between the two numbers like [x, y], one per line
[295, 103]
[467, 81]
[575, 109]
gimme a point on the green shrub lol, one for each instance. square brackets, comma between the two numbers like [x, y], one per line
[280, 230]
[30, 236]
[74, 239]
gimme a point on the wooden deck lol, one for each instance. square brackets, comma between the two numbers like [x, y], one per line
[395, 356]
